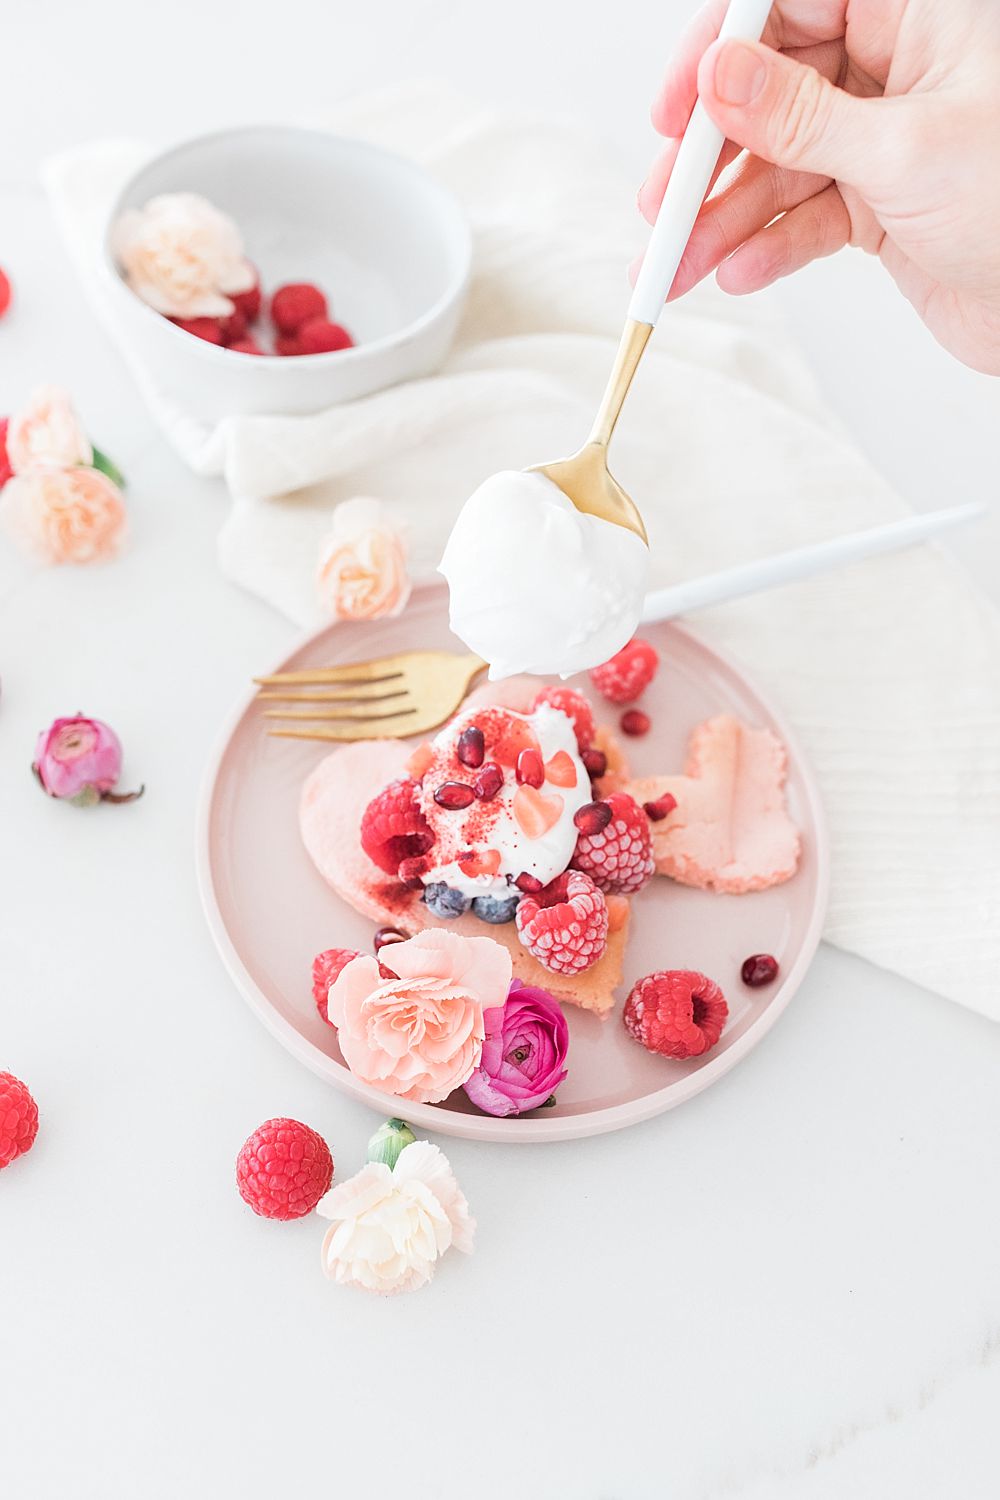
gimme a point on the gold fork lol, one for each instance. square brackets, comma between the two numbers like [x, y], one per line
[389, 698]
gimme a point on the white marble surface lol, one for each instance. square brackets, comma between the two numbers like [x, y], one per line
[787, 1290]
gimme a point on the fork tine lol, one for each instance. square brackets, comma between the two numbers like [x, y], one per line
[348, 729]
[359, 714]
[365, 693]
[382, 670]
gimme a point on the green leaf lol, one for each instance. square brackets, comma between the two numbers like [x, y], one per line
[104, 463]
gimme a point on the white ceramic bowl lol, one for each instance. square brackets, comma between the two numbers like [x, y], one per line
[387, 243]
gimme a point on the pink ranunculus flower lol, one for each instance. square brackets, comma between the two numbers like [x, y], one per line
[64, 515]
[419, 1036]
[47, 432]
[182, 256]
[391, 1225]
[79, 760]
[524, 1052]
[362, 564]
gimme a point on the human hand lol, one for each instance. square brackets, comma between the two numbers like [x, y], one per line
[864, 122]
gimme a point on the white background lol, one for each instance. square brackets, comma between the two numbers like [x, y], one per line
[788, 1290]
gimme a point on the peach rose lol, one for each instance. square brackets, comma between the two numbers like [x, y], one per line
[64, 515]
[392, 1225]
[181, 255]
[419, 1036]
[47, 431]
[362, 565]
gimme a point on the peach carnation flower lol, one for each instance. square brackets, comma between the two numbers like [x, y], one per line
[64, 515]
[419, 1036]
[392, 1225]
[362, 565]
[47, 431]
[182, 256]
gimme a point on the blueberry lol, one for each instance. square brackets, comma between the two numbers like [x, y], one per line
[495, 909]
[444, 901]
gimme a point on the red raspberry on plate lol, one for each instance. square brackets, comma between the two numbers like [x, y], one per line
[393, 826]
[565, 925]
[248, 302]
[575, 706]
[676, 1012]
[294, 304]
[18, 1119]
[4, 292]
[628, 673]
[618, 857]
[326, 967]
[318, 336]
[283, 1169]
[5, 469]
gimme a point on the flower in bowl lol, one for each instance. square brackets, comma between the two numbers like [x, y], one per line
[182, 256]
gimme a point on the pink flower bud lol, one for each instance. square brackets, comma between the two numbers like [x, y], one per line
[79, 760]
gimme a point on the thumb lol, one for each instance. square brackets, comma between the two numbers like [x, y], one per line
[787, 113]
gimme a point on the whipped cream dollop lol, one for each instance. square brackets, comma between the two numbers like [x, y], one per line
[520, 830]
[537, 585]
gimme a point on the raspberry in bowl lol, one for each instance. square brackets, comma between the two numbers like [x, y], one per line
[388, 245]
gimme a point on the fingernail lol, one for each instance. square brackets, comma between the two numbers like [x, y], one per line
[739, 74]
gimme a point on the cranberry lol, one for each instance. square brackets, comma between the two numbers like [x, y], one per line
[488, 782]
[661, 808]
[529, 770]
[386, 936]
[530, 884]
[596, 763]
[758, 969]
[593, 817]
[410, 872]
[635, 722]
[471, 748]
[454, 795]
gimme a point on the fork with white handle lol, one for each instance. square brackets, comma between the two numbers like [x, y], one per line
[412, 692]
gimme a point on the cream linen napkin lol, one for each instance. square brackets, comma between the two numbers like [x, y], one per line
[890, 670]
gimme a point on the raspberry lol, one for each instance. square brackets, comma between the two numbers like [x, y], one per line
[618, 857]
[4, 292]
[249, 345]
[18, 1119]
[208, 329]
[294, 304]
[248, 302]
[393, 827]
[628, 673]
[284, 1169]
[234, 327]
[326, 967]
[576, 708]
[5, 469]
[286, 343]
[319, 336]
[565, 926]
[676, 1012]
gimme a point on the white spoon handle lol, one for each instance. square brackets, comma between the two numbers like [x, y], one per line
[801, 562]
[696, 159]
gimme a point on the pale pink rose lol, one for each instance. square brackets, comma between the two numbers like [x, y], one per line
[47, 431]
[362, 564]
[391, 1226]
[182, 255]
[64, 515]
[419, 1036]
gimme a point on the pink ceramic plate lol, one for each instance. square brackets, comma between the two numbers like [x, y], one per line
[270, 912]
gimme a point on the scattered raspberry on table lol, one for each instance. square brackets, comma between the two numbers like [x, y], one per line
[283, 1169]
[18, 1119]
[676, 1012]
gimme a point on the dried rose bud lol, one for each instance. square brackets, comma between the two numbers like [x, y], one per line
[79, 760]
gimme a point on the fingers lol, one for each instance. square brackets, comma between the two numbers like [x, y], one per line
[787, 113]
[652, 190]
[819, 226]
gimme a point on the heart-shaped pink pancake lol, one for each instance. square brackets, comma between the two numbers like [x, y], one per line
[730, 830]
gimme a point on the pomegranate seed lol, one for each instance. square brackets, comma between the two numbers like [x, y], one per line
[410, 872]
[386, 936]
[471, 749]
[596, 763]
[488, 782]
[661, 808]
[635, 722]
[593, 817]
[453, 795]
[530, 884]
[529, 770]
[758, 969]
